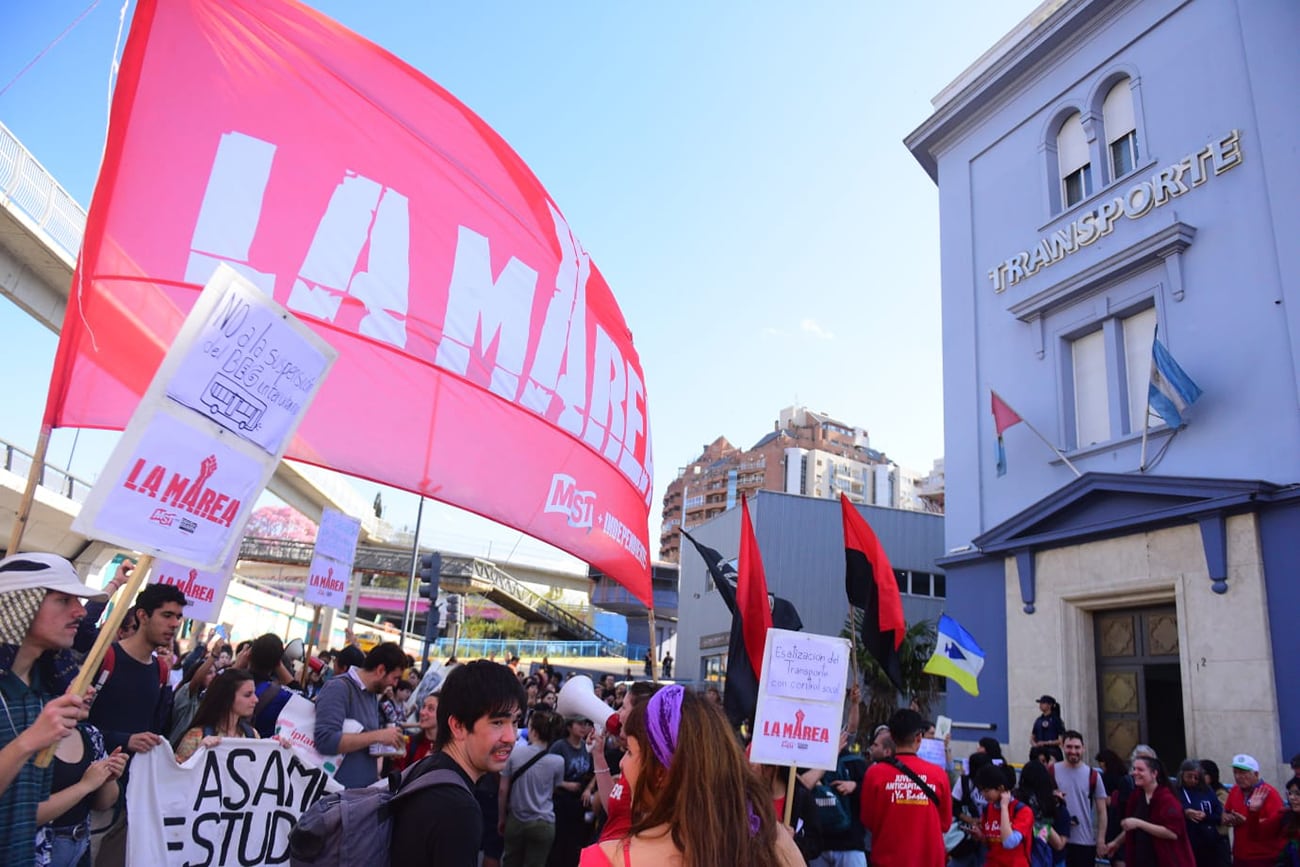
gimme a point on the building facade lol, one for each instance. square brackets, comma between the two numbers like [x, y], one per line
[806, 453]
[1110, 173]
[801, 540]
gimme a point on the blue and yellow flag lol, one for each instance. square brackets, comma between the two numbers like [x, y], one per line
[956, 655]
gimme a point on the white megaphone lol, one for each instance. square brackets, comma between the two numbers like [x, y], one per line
[577, 698]
[293, 652]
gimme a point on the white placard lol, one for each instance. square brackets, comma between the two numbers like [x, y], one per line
[327, 582]
[931, 749]
[172, 490]
[805, 666]
[801, 692]
[297, 725]
[204, 591]
[179, 485]
[249, 366]
[337, 536]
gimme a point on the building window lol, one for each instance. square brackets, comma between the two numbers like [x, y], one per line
[1073, 161]
[1109, 368]
[1121, 129]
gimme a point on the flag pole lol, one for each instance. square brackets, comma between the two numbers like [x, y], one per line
[650, 622]
[1051, 446]
[29, 493]
[1146, 416]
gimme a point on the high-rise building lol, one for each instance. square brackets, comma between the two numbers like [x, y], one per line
[806, 453]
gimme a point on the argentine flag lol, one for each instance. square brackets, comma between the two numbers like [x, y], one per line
[956, 655]
[1171, 391]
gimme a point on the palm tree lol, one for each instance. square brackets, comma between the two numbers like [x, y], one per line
[882, 697]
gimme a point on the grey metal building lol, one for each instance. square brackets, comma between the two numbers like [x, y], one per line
[802, 542]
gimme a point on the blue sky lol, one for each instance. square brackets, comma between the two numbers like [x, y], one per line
[735, 169]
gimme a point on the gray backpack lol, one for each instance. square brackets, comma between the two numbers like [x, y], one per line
[355, 826]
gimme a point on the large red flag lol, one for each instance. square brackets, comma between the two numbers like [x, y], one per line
[483, 360]
[751, 592]
[870, 585]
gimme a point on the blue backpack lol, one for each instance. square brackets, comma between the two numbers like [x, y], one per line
[833, 813]
[1040, 851]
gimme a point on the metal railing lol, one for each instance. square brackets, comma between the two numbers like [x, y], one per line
[19, 462]
[32, 190]
[373, 559]
[504, 648]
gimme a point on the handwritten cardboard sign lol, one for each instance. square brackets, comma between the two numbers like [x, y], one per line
[182, 481]
[801, 694]
[337, 536]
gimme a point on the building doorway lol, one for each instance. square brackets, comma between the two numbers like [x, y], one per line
[1140, 682]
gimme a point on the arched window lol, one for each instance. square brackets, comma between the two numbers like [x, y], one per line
[1073, 161]
[1121, 130]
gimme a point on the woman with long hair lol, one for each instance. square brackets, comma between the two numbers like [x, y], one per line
[1153, 830]
[1051, 816]
[614, 797]
[527, 793]
[1203, 812]
[695, 800]
[224, 712]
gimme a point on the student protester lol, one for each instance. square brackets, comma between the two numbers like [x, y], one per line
[907, 802]
[1154, 830]
[198, 673]
[695, 800]
[803, 810]
[1210, 769]
[1051, 816]
[527, 789]
[1284, 826]
[354, 696]
[84, 777]
[1085, 796]
[40, 610]
[421, 744]
[266, 665]
[225, 712]
[1008, 824]
[615, 796]
[442, 826]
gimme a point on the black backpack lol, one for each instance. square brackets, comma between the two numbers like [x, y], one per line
[834, 815]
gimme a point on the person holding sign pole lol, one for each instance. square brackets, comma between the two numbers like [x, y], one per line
[40, 610]
[695, 800]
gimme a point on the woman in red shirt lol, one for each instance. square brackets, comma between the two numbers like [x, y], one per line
[1154, 828]
[1008, 824]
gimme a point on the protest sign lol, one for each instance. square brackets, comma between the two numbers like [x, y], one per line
[297, 725]
[932, 750]
[205, 591]
[337, 535]
[232, 804]
[331, 563]
[429, 684]
[327, 582]
[800, 699]
[182, 481]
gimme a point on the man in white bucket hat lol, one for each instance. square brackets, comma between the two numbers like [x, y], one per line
[40, 609]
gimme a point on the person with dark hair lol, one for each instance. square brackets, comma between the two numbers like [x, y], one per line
[1048, 729]
[572, 831]
[422, 743]
[1085, 796]
[349, 657]
[133, 705]
[266, 665]
[354, 696]
[1210, 769]
[527, 793]
[1285, 826]
[442, 826]
[968, 801]
[1051, 816]
[1202, 811]
[1008, 824]
[40, 599]
[1154, 831]
[906, 801]
[614, 797]
[695, 800]
[224, 712]
[1252, 846]
[991, 748]
[194, 681]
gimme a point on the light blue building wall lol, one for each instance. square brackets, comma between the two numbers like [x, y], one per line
[1050, 302]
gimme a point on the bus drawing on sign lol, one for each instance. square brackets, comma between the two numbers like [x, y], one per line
[224, 397]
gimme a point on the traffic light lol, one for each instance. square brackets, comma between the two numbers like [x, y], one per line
[429, 574]
[452, 604]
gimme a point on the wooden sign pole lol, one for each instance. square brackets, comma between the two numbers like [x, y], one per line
[29, 493]
[107, 635]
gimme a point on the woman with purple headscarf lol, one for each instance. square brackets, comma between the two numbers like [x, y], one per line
[695, 800]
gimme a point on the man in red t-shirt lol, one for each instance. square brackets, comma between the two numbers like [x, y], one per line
[905, 822]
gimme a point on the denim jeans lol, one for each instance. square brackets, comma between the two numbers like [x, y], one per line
[66, 852]
[847, 858]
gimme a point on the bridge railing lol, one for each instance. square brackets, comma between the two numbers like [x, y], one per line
[19, 462]
[33, 190]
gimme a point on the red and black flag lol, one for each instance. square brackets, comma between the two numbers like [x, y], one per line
[870, 584]
[740, 699]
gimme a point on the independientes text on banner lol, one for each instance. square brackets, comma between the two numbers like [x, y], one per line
[483, 359]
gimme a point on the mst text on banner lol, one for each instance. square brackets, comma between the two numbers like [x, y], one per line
[483, 359]
[234, 803]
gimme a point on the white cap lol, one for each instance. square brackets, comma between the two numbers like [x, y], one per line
[1243, 762]
[46, 572]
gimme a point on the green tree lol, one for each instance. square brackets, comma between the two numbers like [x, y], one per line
[882, 698]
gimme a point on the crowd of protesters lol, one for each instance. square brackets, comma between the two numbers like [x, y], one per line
[664, 779]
